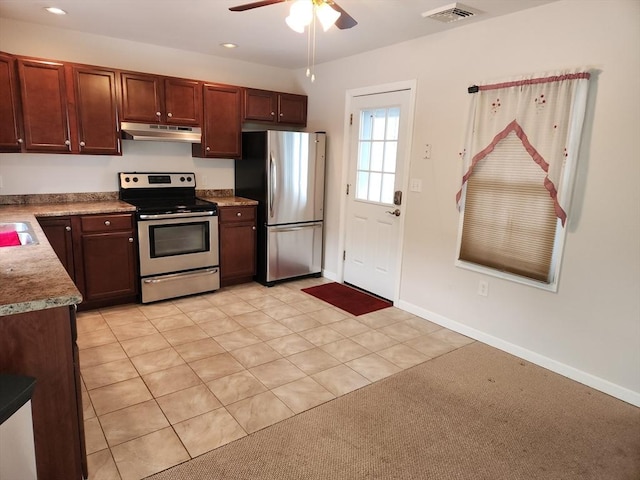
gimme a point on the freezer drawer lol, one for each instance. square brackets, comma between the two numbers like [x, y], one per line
[293, 250]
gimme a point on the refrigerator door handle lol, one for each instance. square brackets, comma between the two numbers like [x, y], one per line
[293, 229]
[272, 182]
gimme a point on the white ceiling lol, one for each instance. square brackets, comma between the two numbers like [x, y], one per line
[262, 35]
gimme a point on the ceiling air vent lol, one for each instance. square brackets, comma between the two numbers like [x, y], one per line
[451, 13]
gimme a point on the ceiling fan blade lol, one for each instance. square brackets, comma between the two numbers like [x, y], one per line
[249, 6]
[345, 20]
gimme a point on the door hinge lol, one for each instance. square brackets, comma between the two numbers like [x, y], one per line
[351, 119]
[344, 255]
[348, 185]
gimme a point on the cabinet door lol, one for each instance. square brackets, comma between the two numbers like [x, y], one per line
[44, 106]
[222, 135]
[292, 109]
[141, 98]
[40, 344]
[95, 91]
[10, 121]
[109, 265]
[237, 244]
[59, 235]
[183, 101]
[260, 105]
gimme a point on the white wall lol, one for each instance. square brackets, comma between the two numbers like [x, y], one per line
[590, 328]
[42, 173]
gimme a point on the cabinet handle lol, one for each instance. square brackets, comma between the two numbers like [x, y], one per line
[130, 239]
[282, 114]
[238, 214]
[253, 228]
[208, 149]
[158, 114]
[169, 114]
[20, 140]
[67, 228]
[107, 223]
[82, 144]
[67, 142]
[273, 114]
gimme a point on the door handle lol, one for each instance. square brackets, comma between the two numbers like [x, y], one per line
[396, 212]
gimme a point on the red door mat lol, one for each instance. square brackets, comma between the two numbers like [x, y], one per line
[346, 298]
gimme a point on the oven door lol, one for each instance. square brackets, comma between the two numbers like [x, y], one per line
[177, 242]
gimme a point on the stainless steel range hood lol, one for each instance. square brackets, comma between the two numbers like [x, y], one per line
[160, 133]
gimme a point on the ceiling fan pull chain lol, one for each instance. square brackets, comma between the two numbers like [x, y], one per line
[313, 57]
[309, 52]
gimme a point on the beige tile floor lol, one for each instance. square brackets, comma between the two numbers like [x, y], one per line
[166, 382]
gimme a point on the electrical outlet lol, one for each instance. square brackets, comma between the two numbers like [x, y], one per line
[483, 288]
[427, 150]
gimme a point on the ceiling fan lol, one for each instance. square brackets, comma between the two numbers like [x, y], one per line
[343, 22]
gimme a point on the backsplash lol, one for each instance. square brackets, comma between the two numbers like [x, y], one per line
[28, 199]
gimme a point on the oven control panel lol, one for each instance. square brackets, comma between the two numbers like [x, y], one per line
[156, 180]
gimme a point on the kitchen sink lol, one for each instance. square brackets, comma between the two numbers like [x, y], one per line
[24, 229]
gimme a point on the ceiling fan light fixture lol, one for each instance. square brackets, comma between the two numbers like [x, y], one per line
[326, 15]
[300, 15]
[55, 10]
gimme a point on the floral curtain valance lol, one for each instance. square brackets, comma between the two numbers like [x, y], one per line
[545, 112]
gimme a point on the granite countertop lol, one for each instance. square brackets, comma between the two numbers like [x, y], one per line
[31, 276]
[230, 201]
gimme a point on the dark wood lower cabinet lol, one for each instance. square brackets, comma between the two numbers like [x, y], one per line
[105, 247]
[41, 344]
[237, 244]
[58, 232]
[99, 253]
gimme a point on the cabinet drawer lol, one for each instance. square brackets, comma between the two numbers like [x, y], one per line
[237, 214]
[106, 223]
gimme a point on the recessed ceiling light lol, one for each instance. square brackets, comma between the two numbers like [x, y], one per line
[55, 10]
[229, 45]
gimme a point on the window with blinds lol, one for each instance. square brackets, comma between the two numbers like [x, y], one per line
[520, 159]
[509, 218]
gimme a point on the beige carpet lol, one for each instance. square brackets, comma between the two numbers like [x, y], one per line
[474, 413]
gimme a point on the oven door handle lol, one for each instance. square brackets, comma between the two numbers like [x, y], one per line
[179, 276]
[167, 216]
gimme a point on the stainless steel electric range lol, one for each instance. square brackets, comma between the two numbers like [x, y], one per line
[177, 234]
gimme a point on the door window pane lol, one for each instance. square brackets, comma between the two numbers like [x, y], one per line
[362, 186]
[377, 154]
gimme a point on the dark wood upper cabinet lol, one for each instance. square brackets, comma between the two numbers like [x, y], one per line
[183, 101]
[222, 126]
[96, 110]
[274, 107]
[260, 105]
[10, 121]
[292, 109]
[44, 106]
[154, 99]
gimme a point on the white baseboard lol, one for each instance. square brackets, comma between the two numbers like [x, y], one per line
[330, 275]
[585, 378]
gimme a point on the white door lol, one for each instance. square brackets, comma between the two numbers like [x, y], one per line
[379, 146]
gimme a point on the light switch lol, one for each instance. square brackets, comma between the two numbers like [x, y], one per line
[415, 185]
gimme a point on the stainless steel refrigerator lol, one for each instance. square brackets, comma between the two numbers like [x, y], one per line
[284, 172]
